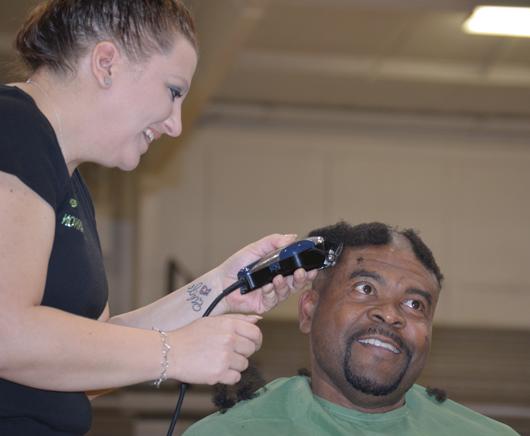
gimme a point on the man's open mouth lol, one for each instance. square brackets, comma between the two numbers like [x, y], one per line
[380, 343]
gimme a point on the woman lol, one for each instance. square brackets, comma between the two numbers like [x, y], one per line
[107, 78]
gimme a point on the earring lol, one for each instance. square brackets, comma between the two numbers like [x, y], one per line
[107, 81]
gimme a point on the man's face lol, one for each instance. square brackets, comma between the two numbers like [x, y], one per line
[370, 326]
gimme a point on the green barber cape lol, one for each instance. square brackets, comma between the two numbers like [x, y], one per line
[287, 406]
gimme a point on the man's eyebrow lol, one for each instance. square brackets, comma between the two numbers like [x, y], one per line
[365, 273]
[424, 294]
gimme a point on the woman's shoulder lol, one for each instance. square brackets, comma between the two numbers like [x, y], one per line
[28, 148]
[17, 108]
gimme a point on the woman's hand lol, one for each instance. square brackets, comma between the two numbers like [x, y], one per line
[214, 349]
[263, 299]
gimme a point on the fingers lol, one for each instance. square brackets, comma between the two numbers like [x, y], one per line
[245, 347]
[269, 294]
[302, 279]
[271, 242]
[281, 287]
[279, 241]
[244, 340]
[250, 335]
[312, 275]
[238, 363]
[299, 277]
[237, 316]
[214, 350]
[245, 328]
[286, 286]
[230, 378]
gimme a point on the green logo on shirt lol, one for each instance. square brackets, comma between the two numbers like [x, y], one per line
[72, 222]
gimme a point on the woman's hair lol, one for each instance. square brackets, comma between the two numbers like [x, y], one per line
[58, 32]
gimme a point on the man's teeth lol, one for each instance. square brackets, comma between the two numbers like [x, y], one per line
[149, 135]
[378, 343]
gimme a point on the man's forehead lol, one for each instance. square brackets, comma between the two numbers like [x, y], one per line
[379, 258]
[399, 247]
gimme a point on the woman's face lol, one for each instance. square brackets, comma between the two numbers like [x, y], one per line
[144, 103]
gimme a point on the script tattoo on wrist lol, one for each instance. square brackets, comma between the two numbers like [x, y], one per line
[196, 293]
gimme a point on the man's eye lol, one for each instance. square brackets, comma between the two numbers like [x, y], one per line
[175, 93]
[364, 288]
[414, 304]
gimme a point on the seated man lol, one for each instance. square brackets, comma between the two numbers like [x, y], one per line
[369, 322]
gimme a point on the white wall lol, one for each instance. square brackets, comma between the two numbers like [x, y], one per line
[248, 171]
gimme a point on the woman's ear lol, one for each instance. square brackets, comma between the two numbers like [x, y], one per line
[105, 57]
[306, 307]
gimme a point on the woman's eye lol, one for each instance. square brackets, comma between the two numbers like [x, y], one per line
[175, 93]
[365, 288]
[414, 304]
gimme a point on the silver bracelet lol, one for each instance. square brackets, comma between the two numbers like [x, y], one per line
[164, 363]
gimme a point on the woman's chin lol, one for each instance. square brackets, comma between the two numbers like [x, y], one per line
[130, 163]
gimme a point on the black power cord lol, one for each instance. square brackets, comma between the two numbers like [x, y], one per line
[184, 386]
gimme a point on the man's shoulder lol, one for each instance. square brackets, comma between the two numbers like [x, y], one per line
[272, 402]
[454, 415]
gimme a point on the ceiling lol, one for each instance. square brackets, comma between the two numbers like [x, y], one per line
[371, 55]
[380, 55]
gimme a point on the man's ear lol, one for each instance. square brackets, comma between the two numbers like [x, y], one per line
[306, 307]
[105, 58]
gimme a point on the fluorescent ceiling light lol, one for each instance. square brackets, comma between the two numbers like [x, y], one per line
[499, 20]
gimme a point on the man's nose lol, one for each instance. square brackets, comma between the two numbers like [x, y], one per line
[387, 313]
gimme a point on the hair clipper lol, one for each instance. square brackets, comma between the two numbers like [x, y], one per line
[310, 253]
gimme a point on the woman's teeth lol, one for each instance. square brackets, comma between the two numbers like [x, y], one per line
[149, 135]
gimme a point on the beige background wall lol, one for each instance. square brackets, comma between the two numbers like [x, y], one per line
[249, 171]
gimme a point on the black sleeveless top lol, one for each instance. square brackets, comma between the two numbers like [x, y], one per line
[75, 282]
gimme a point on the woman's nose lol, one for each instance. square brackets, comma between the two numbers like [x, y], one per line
[173, 124]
